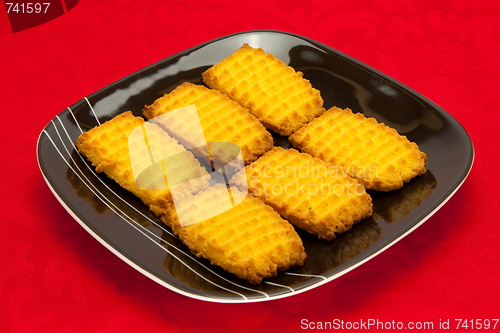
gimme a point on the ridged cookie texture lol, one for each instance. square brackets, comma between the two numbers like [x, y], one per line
[377, 155]
[222, 120]
[249, 239]
[310, 193]
[275, 93]
[111, 148]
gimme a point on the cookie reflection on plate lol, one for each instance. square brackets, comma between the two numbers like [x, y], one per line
[82, 189]
[329, 255]
[92, 187]
[393, 205]
[192, 271]
[325, 256]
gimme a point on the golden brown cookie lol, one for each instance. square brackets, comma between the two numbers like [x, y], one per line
[275, 93]
[222, 120]
[377, 155]
[313, 195]
[248, 239]
[119, 149]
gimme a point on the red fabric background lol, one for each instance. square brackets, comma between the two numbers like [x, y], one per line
[54, 277]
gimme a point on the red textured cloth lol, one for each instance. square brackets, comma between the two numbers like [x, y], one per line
[55, 277]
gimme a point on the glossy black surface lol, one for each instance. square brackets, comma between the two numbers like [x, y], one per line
[123, 224]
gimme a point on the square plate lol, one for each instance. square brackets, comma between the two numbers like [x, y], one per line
[123, 224]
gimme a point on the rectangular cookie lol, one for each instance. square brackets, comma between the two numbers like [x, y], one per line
[375, 154]
[128, 150]
[311, 194]
[275, 93]
[237, 232]
[222, 120]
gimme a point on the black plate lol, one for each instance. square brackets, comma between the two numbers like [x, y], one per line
[126, 227]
